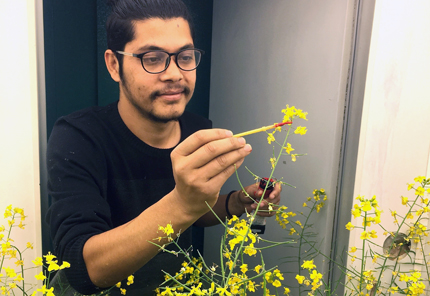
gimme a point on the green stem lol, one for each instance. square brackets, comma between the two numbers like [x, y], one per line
[363, 261]
[425, 261]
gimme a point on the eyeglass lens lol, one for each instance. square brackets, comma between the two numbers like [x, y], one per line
[158, 61]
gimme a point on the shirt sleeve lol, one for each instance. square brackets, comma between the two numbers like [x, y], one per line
[75, 181]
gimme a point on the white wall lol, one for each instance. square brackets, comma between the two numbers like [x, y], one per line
[19, 149]
[395, 139]
[267, 54]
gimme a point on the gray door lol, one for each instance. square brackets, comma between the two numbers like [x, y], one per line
[310, 54]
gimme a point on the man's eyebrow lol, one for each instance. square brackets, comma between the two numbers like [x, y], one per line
[154, 47]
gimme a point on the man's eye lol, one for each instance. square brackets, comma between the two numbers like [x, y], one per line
[152, 60]
[186, 58]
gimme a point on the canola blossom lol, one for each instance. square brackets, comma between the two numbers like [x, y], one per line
[368, 210]
[12, 279]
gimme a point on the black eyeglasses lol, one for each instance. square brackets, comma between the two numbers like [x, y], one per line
[157, 61]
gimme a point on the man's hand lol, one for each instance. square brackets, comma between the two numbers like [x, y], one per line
[255, 193]
[201, 165]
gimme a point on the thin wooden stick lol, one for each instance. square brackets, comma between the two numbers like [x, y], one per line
[262, 129]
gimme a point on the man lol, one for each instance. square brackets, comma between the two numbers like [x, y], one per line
[117, 173]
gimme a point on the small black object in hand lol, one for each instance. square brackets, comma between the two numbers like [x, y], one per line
[263, 183]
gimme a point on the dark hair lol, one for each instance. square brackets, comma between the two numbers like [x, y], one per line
[119, 25]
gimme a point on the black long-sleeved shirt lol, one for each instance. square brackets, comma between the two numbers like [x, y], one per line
[100, 176]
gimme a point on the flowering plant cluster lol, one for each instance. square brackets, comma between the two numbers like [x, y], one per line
[12, 279]
[399, 266]
[381, 269]
[12, 270]
[234, 275]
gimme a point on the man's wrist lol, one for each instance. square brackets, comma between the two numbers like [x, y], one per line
[227, 201]
[233, 204]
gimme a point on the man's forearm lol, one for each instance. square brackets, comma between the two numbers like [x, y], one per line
[220, 209]
[114, 255]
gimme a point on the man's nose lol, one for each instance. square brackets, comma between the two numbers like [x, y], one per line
[172, 72]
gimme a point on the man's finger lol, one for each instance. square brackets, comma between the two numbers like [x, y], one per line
[224, 152]
[200, 138]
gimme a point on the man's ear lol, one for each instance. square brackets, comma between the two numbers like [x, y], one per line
[112, 65]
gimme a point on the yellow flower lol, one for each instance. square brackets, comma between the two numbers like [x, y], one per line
[40, 276]
[168, 230]
[29, 246]
[19, 263]
[373, 234]
[403, 277]
[250, 250]
[278, 274]
[20, 225]
[130, 280]
[258, 268]
[7, 213]
[12, 285]
[65, 265]
[419, 191]
[49, 257]
[366, 206]
[365, 235]
[221, 291]
[349, 226]
[315, 276]
[415, 276]
[10, 272]
[356, 212]
[273, 162]
[353, 249]
[300, 279]
[308, 264]
[305, 205]
[270, 138]
[419, 179]
[276, 283]
[38, 261]
[123, 291]
[288, 148]
[286, 291]
[48, 292]
[301, 130]
[53, 266]
[375, 258]
[393, 290]
[404, 200]
[293, 157]
[244, 268]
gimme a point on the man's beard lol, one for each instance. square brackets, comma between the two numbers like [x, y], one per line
[153, 96]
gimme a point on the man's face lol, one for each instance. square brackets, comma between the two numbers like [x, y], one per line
[158, 97]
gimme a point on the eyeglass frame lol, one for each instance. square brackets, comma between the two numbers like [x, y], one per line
[169, 58]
